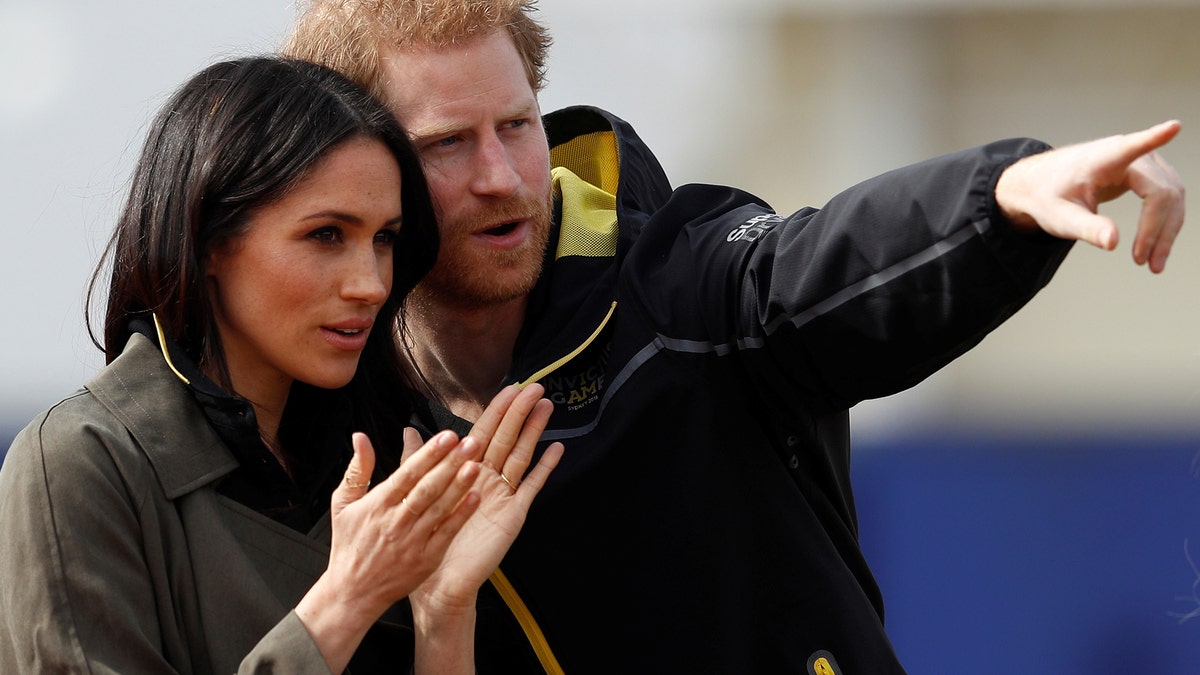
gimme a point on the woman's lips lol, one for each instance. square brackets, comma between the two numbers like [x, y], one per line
[348, 335]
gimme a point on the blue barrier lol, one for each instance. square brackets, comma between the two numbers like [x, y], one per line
[1048, 555]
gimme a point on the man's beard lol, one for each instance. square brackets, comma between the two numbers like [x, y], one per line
[466, 275]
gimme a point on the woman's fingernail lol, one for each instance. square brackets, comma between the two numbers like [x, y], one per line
[468, 446]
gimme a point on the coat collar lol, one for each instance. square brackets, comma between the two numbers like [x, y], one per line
[140, 389]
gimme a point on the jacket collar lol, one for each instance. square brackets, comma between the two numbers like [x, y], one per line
[574, 297]
[605, 151]
[606, 183]
[141, 390]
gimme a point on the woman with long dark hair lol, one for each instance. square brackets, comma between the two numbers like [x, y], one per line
[212, 501]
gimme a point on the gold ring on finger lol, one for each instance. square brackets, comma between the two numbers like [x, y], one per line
[507, 482]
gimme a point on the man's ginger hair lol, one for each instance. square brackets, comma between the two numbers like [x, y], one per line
[351, 36]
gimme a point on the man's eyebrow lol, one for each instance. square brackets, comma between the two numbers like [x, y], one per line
[435, 130]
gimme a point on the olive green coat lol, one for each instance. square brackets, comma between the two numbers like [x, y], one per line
[118, 555]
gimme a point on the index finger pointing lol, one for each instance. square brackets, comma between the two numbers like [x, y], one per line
[1139, 143]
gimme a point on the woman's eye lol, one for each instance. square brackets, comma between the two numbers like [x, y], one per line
[326, 235]
[387, 237]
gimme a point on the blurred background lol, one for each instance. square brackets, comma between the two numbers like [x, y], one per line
[1029, 507]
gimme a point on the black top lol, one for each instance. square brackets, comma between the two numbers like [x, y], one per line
[703, 352]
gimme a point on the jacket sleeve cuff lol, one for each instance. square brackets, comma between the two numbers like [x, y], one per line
[1031, 258]
[287, 648]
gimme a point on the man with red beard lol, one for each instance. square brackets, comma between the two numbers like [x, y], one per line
[702, 350]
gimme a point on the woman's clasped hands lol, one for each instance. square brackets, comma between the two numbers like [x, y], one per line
[434, 530]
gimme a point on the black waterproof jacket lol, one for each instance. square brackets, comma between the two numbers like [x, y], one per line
[703, 353]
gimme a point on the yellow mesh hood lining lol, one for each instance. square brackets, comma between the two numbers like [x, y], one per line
[585, 176]
[593, 157]
[589, 217]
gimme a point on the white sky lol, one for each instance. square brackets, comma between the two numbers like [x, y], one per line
[78, 83]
